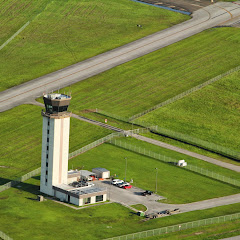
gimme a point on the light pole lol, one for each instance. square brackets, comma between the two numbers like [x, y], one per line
[125, 170]
[156, 179]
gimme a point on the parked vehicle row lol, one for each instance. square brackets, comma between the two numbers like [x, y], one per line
[120, 183]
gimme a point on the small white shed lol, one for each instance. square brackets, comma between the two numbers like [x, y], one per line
[101, 172]
[182, 163]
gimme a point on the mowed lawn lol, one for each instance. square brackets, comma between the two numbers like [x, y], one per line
[211, 114]
[69, 31]
[174, 183]
[49, 220]
[144, 82]
[15, 13]
[21, 140]
[210, 232]
[138, 144]
[191, 148]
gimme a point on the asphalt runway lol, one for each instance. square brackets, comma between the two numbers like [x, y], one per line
[214, 15]
[182, 5]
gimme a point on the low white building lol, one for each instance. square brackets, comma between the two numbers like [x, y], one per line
[101, 172]
[80, 196]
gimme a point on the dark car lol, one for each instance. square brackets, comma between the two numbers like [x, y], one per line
[147, 192]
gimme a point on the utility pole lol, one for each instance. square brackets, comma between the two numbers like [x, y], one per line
[156, 179]
[125, 169]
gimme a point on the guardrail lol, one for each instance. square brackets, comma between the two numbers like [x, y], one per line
[174, 161]
[176, 228]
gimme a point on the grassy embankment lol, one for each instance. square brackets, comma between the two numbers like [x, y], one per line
[21, 140]
[211, 114]
[19, 210]
[70, 31]
[144, 82]
[174, 183]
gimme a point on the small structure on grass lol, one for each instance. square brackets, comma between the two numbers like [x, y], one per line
[182, 163]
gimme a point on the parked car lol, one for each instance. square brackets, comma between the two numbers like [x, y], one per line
[127, 186]
[147, 192]
[117, 181]
[123, 184]
[90, 184]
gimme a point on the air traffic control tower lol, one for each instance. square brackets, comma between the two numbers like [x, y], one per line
[55, 142]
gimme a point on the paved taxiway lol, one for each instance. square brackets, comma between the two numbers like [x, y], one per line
[217, 14]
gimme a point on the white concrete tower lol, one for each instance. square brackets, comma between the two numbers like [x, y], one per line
[55, 142]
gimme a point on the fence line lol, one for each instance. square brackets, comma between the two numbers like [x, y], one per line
[20, 179]
[95, 143]
[174, 161]
[175, 228]
[4, 236]
[197, 142]
[183, 94]
[179, 136]
[71, 155]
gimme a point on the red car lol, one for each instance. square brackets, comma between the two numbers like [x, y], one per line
[126, 187]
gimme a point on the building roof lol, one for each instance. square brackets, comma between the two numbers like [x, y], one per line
[56, 96]
[101, 169]
[77, 192]
[87, 190]
[86, 173]
[73, 173]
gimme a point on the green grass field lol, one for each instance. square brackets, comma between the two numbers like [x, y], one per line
[179, 156]
[211, 114]
[69, 31]
[210, 232]
[21, 140]
[176, 184]
[190, 148]
[144, 82]
[19, 210]
[14, 14]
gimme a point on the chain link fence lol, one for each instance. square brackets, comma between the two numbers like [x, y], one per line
[96, 143]
[71, 155]
[174, 161]
[181, 95]
[176, 228]
[196, 142]
[20, 179]
[179, 136]
[176, 135]
[4, 236]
